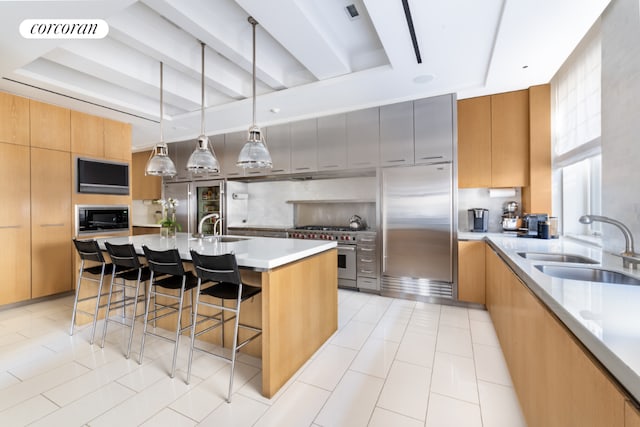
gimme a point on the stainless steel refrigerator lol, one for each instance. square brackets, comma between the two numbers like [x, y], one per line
[195, 200]
[417, 221]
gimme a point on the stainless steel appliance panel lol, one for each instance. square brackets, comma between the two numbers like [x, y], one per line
[179, 191]
[196, 199]
[417, 212]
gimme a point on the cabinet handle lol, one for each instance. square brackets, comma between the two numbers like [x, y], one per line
[366, 271]
[366, 260]
[396, 161]
[303, 169]
[254, 172]
[330, 166]
[52, 225]
[277, 170]
[362, 239]
[366, 249]
[431, 157]
[360, 163]
[10, 226]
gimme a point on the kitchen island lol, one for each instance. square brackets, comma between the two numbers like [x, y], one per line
[298, 308]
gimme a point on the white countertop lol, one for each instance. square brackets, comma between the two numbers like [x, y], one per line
[261, 253]
[605, 317]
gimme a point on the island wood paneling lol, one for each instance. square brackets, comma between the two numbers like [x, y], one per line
[50, 126]
[14, 119]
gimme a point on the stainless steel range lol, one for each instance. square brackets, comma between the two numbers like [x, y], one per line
[357, 253]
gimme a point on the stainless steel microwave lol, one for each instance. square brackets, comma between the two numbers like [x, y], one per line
[93, 219]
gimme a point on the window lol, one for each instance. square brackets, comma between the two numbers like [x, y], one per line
[576, 148]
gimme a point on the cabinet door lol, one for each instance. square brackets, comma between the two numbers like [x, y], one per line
[233, 143]
[51, 261]
[117, 140]
[474, 142]
[332, 142]
[279, 144]
[471, 271]
[14, 126]
[304, 146]
[87, 134]
[143, 187]
[510, 139]
[50, 126]
[15, 229]
[363, 138]
[396, 134]
[433, 121]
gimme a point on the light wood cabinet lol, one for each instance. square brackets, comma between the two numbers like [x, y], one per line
[87, 134]
[471, 271]
[510, 139]
[14, 122]
[363, 138]
[396, 134]
[51, 219]
[143, 187]
[493, 140]
[304, 146]
[117, 140]
[15, 230]
[556, 379]
[332, 142]
[631, 415]
[536, 197]
[50, 126]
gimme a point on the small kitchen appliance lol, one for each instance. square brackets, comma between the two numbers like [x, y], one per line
[478, 219]
[510, 217]
[531, 222]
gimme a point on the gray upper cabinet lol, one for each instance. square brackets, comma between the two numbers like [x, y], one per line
[233, 143]
[179, 153]
[332, 142]
[363, 138]
[396, 134]
[279, 144]
[304, 146]
[433, 127]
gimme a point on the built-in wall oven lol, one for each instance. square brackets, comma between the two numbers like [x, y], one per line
[357, 254]
[96, 219]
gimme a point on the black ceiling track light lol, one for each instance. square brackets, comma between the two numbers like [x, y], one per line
[412, 31]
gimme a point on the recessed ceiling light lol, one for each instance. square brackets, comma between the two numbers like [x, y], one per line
[525, 66]
[275, 110]
[352, 11]
[423, 78]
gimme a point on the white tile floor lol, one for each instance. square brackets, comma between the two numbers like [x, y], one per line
[392, 363]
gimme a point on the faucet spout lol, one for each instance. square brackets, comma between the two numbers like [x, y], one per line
[206, 217]
[629, 255]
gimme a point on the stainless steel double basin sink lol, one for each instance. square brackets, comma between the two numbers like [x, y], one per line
[573, 272]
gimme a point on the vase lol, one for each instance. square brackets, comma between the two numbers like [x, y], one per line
[168, 231]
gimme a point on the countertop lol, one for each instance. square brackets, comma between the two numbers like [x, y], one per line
[604, 317]
[259, 253]
[150, 225]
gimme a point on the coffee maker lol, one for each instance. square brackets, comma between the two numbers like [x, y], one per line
[478, 219]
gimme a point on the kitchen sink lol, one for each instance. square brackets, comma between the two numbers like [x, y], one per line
[221, 239]
[556, 257]
[588, 274]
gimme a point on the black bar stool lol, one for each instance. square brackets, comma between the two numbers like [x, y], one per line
[88, 250]
[167, 272]
[223, 272]
[126, 269]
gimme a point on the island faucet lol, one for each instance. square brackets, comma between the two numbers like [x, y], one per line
[629, 257]
[206, 217]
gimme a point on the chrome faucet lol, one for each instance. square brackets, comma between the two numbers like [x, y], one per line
[206, 217]
[629, 257]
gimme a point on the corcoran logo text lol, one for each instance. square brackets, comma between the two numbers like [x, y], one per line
[64, 28]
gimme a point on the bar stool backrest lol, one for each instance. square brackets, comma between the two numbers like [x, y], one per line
[217, 268]
[164, 262]
[123, 255]
[89, 250]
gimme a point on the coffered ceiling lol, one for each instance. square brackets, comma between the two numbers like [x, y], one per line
[313, 58]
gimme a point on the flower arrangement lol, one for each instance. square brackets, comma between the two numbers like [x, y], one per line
[169, 214]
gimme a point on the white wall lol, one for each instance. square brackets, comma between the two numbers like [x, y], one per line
[621, 120]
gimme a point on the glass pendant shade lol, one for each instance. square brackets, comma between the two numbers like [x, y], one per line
[159, 163]
[202, 159]
[254, 153]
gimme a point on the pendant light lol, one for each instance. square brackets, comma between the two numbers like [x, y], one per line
[254, 154]
[159, 163]
[203, 159]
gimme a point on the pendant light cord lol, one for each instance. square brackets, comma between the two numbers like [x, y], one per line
[161, 106]
[202, 90]
[253, 22]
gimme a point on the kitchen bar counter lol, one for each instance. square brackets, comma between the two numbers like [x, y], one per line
[297, 308]
[604, 317]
